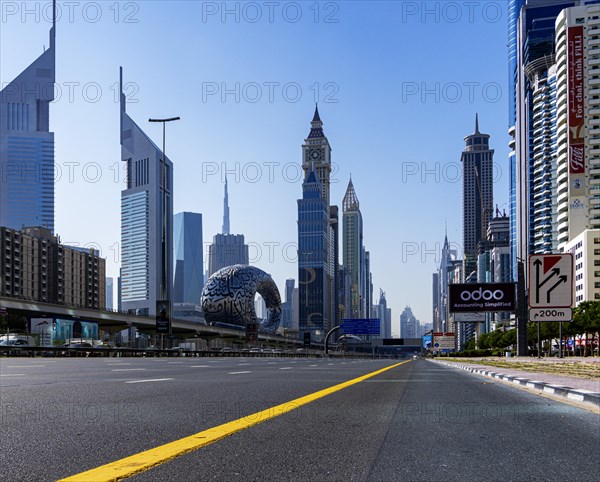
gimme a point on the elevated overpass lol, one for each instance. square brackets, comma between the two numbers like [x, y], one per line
[113, 321]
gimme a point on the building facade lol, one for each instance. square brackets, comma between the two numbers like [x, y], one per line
[532, 47]
[478, 194]
[27, 145]
[578, 119]
[144, 246]
[36, 267]
[586, 260]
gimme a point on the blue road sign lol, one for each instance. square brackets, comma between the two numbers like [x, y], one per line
[360, 326]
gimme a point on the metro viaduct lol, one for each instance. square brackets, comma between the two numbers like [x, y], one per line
[113, 322]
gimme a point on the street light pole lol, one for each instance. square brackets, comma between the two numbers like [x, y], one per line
[163, 169]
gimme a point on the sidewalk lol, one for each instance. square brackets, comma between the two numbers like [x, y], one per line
[573, 388]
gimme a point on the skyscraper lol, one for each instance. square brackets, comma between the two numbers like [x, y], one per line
[188, 263]
[227, 249]
[385, 319]
[27, 145]
[353, 250]
[578, 121]
[409, 325]
[316, 163]
[313, 259]
[226, 210]
[141, 218]
[531, 52]
[286, 306]
[110, 290]
[478, 194]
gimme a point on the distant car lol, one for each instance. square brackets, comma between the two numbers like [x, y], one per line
[13, 345]
[77, 345]
[14, 342]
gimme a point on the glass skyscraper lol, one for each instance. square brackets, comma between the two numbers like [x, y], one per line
[188, 263]
[313, 225]
[141, 219]
[318, 249]
[27, 145]
[531, 42]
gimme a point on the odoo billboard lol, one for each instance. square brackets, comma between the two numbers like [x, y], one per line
[486, 297]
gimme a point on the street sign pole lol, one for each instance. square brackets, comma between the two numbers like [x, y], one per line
[560, 352]
[539, 341]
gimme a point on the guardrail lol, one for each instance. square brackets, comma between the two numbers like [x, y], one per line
[140, 352]
[61, 351]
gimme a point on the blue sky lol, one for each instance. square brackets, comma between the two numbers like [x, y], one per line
[398, 85]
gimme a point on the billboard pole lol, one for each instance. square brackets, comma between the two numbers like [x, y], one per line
[521, 310]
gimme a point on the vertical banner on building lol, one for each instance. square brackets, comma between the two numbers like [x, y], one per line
[576, 101]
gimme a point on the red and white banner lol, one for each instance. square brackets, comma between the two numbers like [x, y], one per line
[576, 103]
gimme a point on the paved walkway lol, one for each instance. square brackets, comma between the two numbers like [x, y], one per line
[574, 388]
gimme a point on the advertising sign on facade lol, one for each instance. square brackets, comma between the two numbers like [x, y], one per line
[576, 100]
[481, 297]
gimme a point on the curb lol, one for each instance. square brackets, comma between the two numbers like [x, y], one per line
[577, 395]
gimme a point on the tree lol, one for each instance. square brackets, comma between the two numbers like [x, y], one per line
[586, 321]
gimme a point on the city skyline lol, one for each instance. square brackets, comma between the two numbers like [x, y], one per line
[257, 142]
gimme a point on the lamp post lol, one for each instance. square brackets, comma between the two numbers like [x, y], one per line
[163, 169]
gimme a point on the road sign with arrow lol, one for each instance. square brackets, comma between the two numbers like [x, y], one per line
[551, 281]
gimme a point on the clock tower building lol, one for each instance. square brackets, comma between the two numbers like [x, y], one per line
[317, 151]
[317, 238]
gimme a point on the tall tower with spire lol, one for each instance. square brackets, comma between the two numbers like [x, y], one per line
[227, 249]
[316, 152]
[226, 210]
[478, 194]
[316, 163]
[27, 145]
[353, 250]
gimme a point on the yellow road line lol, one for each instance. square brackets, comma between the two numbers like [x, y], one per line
[143, 461]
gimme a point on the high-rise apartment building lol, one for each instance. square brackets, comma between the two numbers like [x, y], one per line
[478, 194]
[578, 121]
[532, 84]
[36, 267]
[27, 145]
[188, 263]
[149, 179]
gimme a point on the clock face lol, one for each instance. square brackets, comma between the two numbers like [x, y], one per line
[315, 154]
